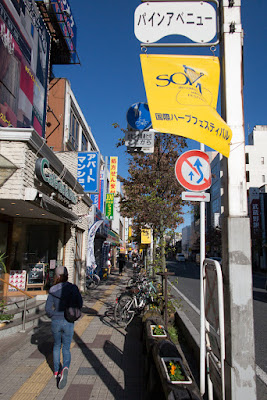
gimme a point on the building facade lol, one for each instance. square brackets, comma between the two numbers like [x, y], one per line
[41, 205]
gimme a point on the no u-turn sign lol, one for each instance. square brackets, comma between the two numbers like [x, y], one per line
[192, 170]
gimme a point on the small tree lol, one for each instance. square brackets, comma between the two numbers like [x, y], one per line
[152, 193]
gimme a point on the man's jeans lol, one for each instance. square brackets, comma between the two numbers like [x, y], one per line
[63, 332]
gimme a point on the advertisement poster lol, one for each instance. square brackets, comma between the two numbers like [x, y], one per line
[24, 57]
[182, 93]
[18, 279]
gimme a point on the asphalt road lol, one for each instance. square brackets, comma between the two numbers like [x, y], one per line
[187, 274]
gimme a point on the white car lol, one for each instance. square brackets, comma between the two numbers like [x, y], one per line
[180, 257]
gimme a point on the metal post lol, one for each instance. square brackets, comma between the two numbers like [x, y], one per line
[166, 299]
[202, 311]
[24, 316]
[238, 301]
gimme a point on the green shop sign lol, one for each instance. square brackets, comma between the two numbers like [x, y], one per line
[109, 205]
[53, 180]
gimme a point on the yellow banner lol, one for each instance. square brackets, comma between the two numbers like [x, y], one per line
[145, 236]
[113, 174]
[182, 94]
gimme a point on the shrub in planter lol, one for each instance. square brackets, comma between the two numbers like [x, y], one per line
[3, 316]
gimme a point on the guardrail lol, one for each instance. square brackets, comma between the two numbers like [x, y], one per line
[25, 301]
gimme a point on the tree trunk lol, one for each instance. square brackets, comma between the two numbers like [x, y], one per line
[162, 246]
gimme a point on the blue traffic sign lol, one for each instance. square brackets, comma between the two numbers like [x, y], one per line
[138, 116]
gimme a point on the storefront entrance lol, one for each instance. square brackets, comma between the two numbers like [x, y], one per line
[35, 251]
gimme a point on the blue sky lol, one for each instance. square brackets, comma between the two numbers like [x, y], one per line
[109, 79]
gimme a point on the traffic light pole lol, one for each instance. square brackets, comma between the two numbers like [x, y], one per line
[238, 299]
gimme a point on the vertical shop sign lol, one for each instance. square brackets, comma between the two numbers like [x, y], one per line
[24, 59]
[109, 205]
[94, 198]
[88, 171]
[66, 23]
[113, 174]
[145, 236]
[255, 216]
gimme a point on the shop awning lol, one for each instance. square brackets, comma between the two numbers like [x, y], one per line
[113, 238]
[54, 207]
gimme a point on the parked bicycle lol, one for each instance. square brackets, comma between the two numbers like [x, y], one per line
[92, 279]
[133, 301]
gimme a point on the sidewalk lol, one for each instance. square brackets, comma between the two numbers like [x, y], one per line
[107, 361]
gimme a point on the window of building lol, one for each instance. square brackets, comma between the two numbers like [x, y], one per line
[247, 158]
[84, 143]
[247, 176]
[262, 160]
[74, 130]
[263, 178]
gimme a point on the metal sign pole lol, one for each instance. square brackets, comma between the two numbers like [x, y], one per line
[202, 310]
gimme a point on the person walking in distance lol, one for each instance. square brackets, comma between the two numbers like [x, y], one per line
[121, 262]
[62, 330]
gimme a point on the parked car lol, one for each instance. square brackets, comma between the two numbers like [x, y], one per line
[180, 257]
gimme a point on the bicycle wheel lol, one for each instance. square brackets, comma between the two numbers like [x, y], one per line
[89, 282]
[96, 281]
[124, 311]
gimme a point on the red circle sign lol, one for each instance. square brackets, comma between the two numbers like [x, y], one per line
[192, 170]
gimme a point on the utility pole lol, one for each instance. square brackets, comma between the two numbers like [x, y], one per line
[238, 300]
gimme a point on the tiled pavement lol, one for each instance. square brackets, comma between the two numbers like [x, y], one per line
[107, 361]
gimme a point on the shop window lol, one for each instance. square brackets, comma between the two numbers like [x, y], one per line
[84, 143]
[74, 130]
[41, 243]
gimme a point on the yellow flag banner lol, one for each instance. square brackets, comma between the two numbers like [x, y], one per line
[182, 94]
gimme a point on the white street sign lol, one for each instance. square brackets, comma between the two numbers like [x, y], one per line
[143, 139]
[196, 196]
[194, 19]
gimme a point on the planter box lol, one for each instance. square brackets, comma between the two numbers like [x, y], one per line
[177, 360]
[158, 336]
